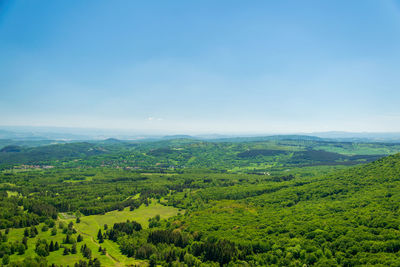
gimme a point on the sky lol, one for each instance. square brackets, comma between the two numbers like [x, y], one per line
[201, 66]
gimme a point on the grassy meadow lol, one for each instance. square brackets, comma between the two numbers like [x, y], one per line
[88, 228]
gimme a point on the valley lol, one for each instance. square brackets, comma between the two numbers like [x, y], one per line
[183, 202]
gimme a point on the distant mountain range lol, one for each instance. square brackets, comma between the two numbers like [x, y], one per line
[60, 134]
[363, 135]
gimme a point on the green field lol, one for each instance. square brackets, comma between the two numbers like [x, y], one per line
[12, 194]
[90, 225]
[56, 257]
[88, 228]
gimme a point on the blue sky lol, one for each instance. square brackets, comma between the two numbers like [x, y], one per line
[201, 66]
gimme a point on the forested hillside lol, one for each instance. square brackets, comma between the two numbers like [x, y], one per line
[347, 218]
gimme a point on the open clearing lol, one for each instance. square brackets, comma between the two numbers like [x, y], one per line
[90, 225]
[88, 228]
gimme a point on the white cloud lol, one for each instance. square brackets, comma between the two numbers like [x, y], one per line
[154, 119]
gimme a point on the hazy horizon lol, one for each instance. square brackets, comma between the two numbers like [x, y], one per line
[60, 129]
[76, 133]
[207, 67]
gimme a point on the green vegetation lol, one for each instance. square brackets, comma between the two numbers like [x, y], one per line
[266, 202]
[232, 155]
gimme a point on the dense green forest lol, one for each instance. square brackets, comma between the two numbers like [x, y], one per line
[273, 201]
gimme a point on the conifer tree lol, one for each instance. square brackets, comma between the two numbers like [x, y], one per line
[73, 249]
